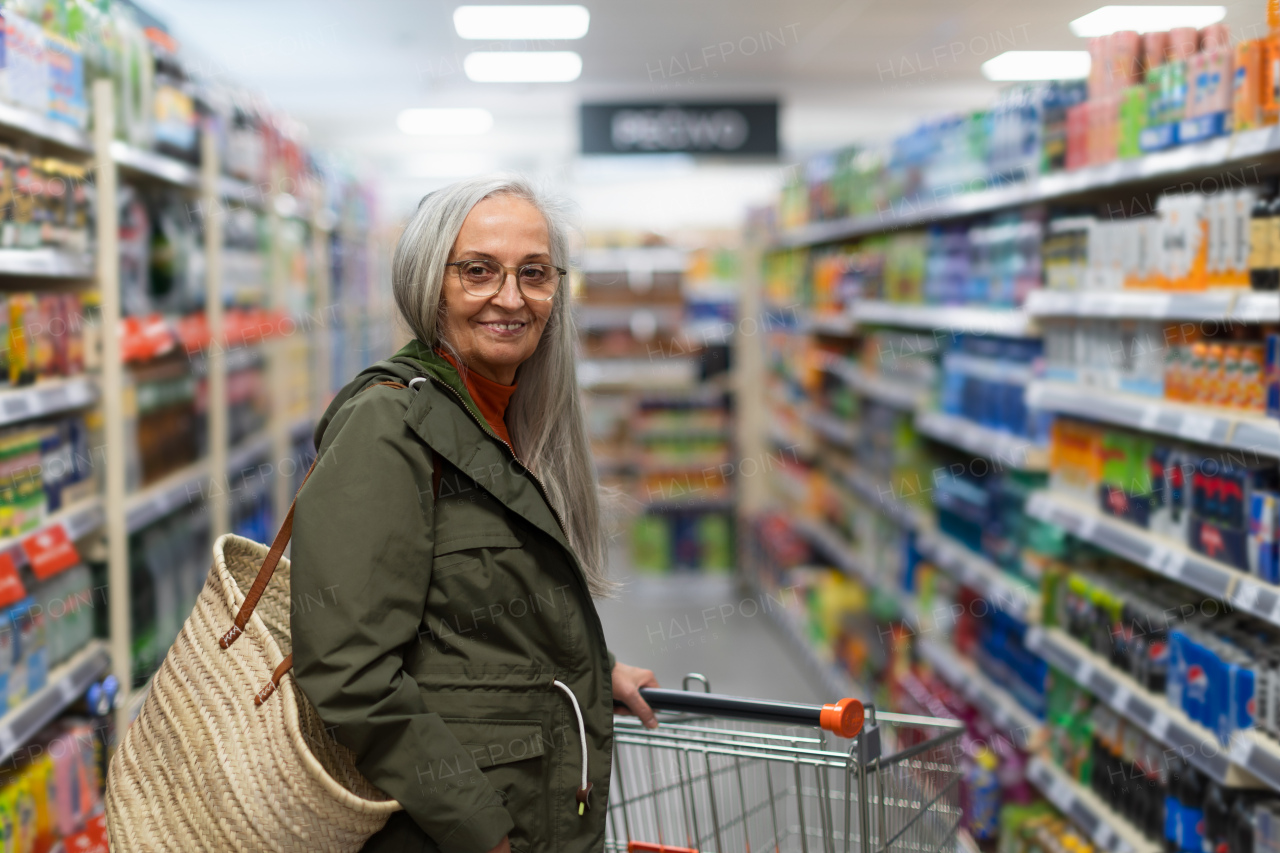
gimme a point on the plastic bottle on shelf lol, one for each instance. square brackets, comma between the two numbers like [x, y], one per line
[1262, 272]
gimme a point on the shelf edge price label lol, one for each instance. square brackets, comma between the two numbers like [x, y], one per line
[1160, 726]
[1197, 427]
[50, 551]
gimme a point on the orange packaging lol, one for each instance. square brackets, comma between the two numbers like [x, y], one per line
[1270, 77]
[1252, 386]
[1229, 387]
[1196, 374]
[1211, 374]
[1246, 87]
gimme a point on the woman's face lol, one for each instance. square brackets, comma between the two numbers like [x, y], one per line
[495, 334]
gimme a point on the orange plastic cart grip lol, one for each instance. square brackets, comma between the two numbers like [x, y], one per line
[844, 718]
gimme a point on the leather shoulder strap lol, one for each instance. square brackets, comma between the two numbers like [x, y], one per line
[273, 556]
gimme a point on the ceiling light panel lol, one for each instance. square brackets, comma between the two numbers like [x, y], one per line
[1038, 65]
[1145, 19]
[521, 22]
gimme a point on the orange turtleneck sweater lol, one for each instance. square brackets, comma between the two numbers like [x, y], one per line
[490, 397]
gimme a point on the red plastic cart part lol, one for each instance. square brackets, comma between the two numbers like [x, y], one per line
[844, 718]
[646, 847]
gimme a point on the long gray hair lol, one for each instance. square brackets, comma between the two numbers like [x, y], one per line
[544, 417]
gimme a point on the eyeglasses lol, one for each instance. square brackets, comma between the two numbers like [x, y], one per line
[482, 277]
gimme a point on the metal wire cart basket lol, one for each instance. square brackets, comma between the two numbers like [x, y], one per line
[728, 774]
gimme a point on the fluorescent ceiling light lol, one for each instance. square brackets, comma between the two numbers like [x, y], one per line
[1145, 19]
[1038, 65]
[551, 66]
[521, 22]
[444, 122]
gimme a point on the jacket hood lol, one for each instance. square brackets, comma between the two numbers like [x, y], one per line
[415, 359]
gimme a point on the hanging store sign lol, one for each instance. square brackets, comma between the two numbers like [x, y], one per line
[747, 128]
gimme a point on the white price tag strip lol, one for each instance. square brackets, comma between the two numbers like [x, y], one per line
[6, 740]
[1084, 669]
[1120, 699]
[1160, 726]
[1241, 750]
[1150, 415]
[67, 690]
[1246, 595]
[1088, 524]
[1197, 427]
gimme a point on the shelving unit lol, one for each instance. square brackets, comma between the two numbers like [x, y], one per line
[1250, 760]
[1242, 306]
[997, 704]
[1239, 149]
[1159, 554]
[67, 683]
[1014, 451]
[1109, 831]
[1005, 322]
[1201, 424]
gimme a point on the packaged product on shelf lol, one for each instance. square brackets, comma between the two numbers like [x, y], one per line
[26, 80]
[65, 65]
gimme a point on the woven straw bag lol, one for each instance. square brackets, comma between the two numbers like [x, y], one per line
[227, 753]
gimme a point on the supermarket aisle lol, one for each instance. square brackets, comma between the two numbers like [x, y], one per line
[680, 623]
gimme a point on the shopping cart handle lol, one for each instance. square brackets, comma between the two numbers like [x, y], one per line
[843, 718]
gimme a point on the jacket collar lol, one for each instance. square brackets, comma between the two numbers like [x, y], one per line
[445, 417]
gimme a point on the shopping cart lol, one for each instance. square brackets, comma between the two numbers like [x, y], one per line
[729, 775]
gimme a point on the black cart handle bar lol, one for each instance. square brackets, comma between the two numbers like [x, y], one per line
[843, 718]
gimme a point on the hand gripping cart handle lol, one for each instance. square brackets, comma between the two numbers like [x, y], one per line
[725, 774]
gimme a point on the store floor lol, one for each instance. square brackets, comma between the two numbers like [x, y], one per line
[691, 622]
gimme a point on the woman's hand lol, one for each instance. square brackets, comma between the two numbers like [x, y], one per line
[504, 846]
[627, 681]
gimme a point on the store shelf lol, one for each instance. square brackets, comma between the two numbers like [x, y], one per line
[179, 489]
[1159, 554]
[1239, 149]
[833, 428]
[833, 546]
[638, 373]
[67, 682]
[834, 680]
[1245, 306]
[989, 369]
[43, 128]
[690, 504]
[866, 487]
[77, 521]
[593, 318]
[1000, 590]
[248, 451]
[156, 166]
[302, 428]
[996, 703]
[970, 319]
[45, 398]
[47, 263]
[833, 325]
[646, 259]
[1202, 424]
[1109, 830]
[884, 389]
[1000, 447]
[1153, 713]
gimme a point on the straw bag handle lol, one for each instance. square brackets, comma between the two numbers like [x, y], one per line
[264, 577]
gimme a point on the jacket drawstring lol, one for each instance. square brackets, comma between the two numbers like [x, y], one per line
[584, 793]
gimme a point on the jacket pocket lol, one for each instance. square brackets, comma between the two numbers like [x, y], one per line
[512, 754]
[468, 552]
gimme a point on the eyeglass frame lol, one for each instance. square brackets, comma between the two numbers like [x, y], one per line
[503, 282]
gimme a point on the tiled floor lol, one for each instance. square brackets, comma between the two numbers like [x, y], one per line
[681, 623]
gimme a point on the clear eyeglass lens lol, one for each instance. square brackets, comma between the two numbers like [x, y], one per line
[487, 276]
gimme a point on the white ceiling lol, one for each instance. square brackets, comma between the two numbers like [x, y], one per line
[845, 70]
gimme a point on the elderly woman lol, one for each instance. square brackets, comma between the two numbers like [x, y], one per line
[452, 532]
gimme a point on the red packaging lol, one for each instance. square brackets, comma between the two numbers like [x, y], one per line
[1077, 136]
[1155, 49]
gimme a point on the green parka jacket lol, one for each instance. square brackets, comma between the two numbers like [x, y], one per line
[441, 622]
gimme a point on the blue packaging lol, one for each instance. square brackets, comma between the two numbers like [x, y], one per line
[1243, 699]
[1172, 821]
[1176, 680]
[1271, 375]
[1262, 535]
[1195, 694]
